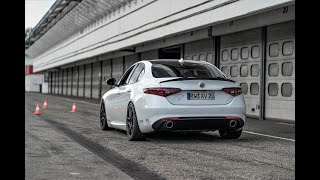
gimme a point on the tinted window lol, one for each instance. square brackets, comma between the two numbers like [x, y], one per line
[124, 78]
[136, 73]
[163, 69]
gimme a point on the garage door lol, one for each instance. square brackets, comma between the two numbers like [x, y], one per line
[240, 60]
[81, 81]
[87, 81]
[54, 83]
[106, 74]
[117, 68]
[202, 50]
[96, 80]
[75, 81]
[50, 82]
[65, 80]
[57, 83]
[280, 74]
[148, 55]
[60, 81]
[69, 81]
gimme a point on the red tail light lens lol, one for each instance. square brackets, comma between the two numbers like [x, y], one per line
[232, 91]
[161, 91]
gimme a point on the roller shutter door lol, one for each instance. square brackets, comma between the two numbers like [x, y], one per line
[202, 50]
[240, 60]
[81, 81]
[74, 81]
[54, 82]
[117, 68]
[50, 82]
[280, 71]
[60, 81]
[57, 83]
[88, 80]
[69, 81]
[65, 81]
[96, 80]
[106, 74]
[148, 55]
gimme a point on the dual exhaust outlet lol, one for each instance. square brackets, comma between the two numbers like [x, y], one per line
[169, 124]
[232, 124]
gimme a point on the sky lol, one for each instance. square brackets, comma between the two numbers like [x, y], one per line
[35, 10]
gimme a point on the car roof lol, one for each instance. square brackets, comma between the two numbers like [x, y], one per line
[173, 61]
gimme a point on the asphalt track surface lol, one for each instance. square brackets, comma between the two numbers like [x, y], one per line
[65, 145]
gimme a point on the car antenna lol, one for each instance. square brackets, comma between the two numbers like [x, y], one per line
[181, 61]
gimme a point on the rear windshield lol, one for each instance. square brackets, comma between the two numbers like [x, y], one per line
[188, 69]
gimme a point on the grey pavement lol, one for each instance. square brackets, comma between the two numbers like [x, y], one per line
[59, 143]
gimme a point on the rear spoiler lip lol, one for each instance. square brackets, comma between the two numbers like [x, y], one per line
[182, 79]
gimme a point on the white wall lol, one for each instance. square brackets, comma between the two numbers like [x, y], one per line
[33, 81]
[148, 24]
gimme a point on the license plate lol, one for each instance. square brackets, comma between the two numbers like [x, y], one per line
[200, 96]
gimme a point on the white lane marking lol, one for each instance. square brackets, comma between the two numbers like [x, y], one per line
[276, 137]
[286, 124]
[74, 173]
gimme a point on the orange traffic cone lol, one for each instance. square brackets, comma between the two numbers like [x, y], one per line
[45, 105]
[74, 109]
[37, 110]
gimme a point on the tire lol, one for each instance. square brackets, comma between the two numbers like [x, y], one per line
[132, 126]
[103, 118]
[226, 134]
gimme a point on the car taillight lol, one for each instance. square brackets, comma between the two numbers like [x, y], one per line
[161, 91]
[233, 91]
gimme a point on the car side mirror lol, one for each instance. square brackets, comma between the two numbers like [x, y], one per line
[111, 81]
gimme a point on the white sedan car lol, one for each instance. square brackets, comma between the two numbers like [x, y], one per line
[173, 95]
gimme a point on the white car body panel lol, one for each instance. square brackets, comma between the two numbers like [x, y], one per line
[151, 108]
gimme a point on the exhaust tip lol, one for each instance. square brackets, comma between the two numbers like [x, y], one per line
[232, 123]
[169, 124]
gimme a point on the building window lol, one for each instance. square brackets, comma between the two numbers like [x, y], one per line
[286, 89]
[273, 49]
[287, 69]
[273, 89]
[244, 71]
[195, 57]
[234, 54]
[244, 53]
[202, 57]
[255, 70]
[224, 69]
[234, 71]
[255, 51]
[244, 88]
[273, 69]
[225, 55]
[254, 88]
[287, 48]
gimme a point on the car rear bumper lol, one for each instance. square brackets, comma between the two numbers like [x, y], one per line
[198, 123]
